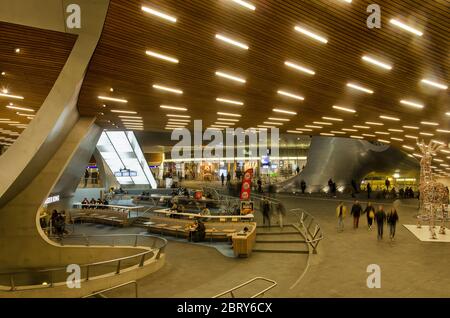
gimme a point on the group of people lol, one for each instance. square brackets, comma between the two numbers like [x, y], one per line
[266, 209]
[90, 175]
[94, 204]
[58, 222]
[332, 188]
[378, 216]
[222, 178]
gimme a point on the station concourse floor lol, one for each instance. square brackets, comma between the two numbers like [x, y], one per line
[409, 267]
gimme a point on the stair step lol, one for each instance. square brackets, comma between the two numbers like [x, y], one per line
[280, 241]
[277, 233]
[261, 250]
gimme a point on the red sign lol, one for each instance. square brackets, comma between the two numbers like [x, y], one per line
[246, 185]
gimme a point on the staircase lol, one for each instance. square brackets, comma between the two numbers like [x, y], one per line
[274, 239]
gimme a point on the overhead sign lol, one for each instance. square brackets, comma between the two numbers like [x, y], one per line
[52, 199]
[125, 173]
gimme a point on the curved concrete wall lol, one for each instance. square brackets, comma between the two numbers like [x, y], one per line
[344, 159]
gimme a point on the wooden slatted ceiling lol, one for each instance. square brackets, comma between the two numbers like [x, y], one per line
[120, 62]
[32, 72]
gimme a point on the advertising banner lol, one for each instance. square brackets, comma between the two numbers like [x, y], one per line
[246, 185]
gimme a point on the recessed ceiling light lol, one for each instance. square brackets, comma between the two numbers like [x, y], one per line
[349, 129]
[397, 139]
[382, 133]
[224, 123]
[389, 118]
[24, 115]
[11, 96]
[178, 116]
[162, 56]
[159, 14]
[338, 132]
[229, 114]
[356, 137]
[313, 126]
[410, 103]
[231, 77]
[245, 4]
[279, 119]
[425, 134]
[123, 111]
[377, 62]
[17, 50]
[119, 100]
[411, 137]
[20, 108]
[384, 141]
[231, 41]
[438, 160]
[362, 127]
[272, 123]
[173, 107]
[374, 123]
[304, 129]
[132, 120]
[3, 73]
[332, 118]
[288, 94]
[405, 27]
[360, 88]
[299, 68]
[311, 34]
[326, 134]
[434, 84]
[429, 123]
[396, 130]
[345, 109]
[294, 131]
[322, 123]
[228, 119]
[167, 89]
[278, 110]
[443, 131]
[438, 142]
[445, 151]
[410, 127]
[408, 147]
[265, 126]
[131, 117]
[369, 135]
[181, 120]
[4, 91]
[229, 101]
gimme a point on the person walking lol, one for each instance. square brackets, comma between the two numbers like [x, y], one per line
[392, 219]
[281, 211]
[380, 218]
[266, 211]
[356, 212]
[297, 170]
[370, 214]
[222, 178]
[259, 182]
[341, 210]
[86, 177]
[303, 186]
[369, 190]
[228, 177]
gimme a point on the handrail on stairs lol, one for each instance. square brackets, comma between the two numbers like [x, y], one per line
[260, 293]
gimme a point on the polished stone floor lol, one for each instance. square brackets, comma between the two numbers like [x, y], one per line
[409, 267]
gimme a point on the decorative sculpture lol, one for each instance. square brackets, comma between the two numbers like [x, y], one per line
[434, 195]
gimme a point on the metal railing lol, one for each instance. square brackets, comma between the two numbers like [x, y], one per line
[48, 277]
[260, 293]
[305, 219]
[100, 292]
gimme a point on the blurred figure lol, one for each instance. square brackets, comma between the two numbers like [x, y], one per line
[356, 212]
[341, 210]
[370, 214]
[281, 211]
[392, 219]
[380, 218]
